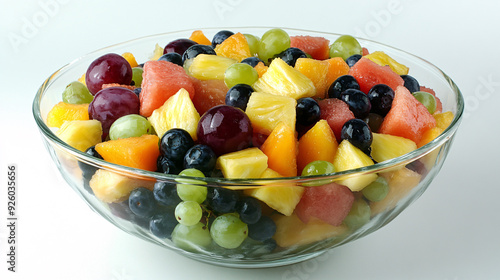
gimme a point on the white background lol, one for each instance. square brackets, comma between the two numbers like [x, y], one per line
[450, 233]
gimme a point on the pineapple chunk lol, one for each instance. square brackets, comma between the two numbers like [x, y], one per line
[265, 111]
[383, 59]
[282, 198]
[248, 163]
[80, 135]
[209, 67]
[349, 157]
[282, 79]
[63, 112]
[111, 187]
[443, 120]
[386, 147]
[157, 53]
[177, 112]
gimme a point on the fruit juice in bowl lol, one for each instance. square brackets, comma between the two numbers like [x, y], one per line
[258, 147]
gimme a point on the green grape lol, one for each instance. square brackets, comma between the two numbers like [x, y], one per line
[186, 188]
[188, 213]
[345, 46]
[359, 215]
[132, 125]
[377, 190]
[273, 42]
[191, 238]
[228, 231]
[77, 93]
[318, 167]
[240, 73]
[427, 99]
[137, 76]
[253, 43]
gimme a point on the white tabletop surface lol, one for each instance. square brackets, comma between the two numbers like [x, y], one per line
[450, 233]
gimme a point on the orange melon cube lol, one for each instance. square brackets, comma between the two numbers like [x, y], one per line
[235, 47]
[316, 71]
[336, 68]
[62, 112]
[199, 37]
[261, 68]
[281, 149]
[318, 143]
[136, 152]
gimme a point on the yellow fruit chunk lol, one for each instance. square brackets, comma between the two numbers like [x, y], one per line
[318, 143]
[282, 79]
[248, 163]
[199, 37]
[281, 149]
[131, 59]
[383, 59]
[136, 152]
[386, 146]
[63, 112]
[82, 79]
[266, 110]
[81, 135]
[157, 53]
[429, 135]
[235, 47]
[209, 67]
[443, 120]
[111, 187]
[401, 182]
[349, 157]
[316, 71]
[280, 197]
[336, 67]
[177, 112]
[291, 231]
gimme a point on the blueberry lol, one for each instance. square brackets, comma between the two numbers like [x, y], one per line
[165, 193]
[162, 224]
[291, 55]
[307, 111]
[358, 102]
[195, 50]
[142, 202]
[381, 97]
[88, 170]
[172, 57]
[175, 143]
[137, 91]
[249, 210]
[238, 96]
[200, 157]
[410, 83]
[220, 37]
[222, 200]
[262, 230]
[168, 166]
[358, 133]
[353, 59]
[252, 61]
[341, 84]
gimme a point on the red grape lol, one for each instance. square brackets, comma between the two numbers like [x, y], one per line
[178, 46]
[225, 129]
[108, 69]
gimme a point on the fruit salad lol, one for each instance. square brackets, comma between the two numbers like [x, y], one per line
[245, 107]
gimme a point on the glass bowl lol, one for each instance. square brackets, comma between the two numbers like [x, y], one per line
[408, 176]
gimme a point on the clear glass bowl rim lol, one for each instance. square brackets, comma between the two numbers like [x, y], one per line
[446, 135]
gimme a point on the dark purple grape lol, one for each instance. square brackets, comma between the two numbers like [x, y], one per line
[381, 97]
[291, 55]
[353, 59]
[112, 103]
[172, 57]
[307, 111]
[225, 129]
[262, 230]
[410, 83]
[178, 46]
[222, 200]
[252, 61]
[175, 143]
[195, 50]
[200, 157]
[220, 37]
[358, 133]
[358, 102]
[238, 96]
[108, 69]
[341, 84]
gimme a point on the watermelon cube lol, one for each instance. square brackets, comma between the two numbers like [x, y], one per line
[369, 73]
[336, 112]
